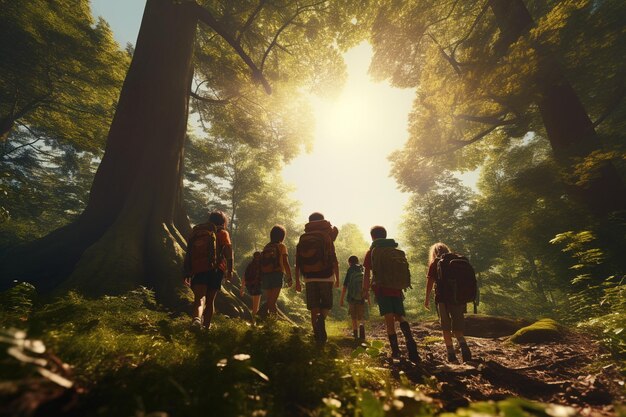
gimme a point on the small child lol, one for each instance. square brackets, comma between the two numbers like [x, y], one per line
[252, 281]
[275, 269]
[353, 287]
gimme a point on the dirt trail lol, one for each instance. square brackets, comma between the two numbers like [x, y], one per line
[555, 372]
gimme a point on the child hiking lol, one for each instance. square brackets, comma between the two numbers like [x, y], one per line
[389, 270]
[209, 259]
[274, 267]
[353, 289]
[316, 260]
[455, 285]
[252, 281]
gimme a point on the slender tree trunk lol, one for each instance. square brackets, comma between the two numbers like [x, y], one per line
[569, 129]
[6, 126]
[536, 278]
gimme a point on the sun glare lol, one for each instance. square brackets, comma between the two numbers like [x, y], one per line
[346, 176]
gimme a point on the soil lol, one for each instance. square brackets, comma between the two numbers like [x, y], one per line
[564, 372]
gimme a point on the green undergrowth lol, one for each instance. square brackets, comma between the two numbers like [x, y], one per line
[132, 358]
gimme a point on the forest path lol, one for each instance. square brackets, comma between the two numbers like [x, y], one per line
[561, 372]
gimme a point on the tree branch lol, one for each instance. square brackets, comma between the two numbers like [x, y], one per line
[462, 143]
[297, 13]
[250, 20]
[447, 57]
[24, 144]
[492, 120]
[469, 33]
[209, 99]
[207, 18]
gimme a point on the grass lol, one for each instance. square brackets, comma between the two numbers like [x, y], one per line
[133, 358]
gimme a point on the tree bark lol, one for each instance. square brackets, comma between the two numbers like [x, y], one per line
[6, 126]
[568, 126]
[133, 230]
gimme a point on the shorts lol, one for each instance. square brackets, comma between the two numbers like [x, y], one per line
[272, 280]
[319, 295]
[390, 304]
[253, 289]
[452, 316]
[212, 279]
[356, 310]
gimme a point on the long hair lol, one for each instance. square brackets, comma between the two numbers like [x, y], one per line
[437, 250]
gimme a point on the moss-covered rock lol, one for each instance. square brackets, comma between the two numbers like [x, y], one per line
[541, 331]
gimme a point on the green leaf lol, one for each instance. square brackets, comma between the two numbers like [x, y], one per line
[370, 406]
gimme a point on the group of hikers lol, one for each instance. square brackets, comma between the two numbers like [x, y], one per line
[385, 271]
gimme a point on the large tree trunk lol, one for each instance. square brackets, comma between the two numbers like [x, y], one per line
[569, 129]
[130, 232]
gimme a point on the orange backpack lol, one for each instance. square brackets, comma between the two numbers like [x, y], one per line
[315, 252]
[203, 247]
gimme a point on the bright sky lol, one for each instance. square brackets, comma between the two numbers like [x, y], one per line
[346, 176]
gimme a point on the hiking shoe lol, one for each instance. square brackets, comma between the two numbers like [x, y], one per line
[321, 329]
[393, 343]
[411, 346]
[196, 323]
[465, 353]
[452, 357]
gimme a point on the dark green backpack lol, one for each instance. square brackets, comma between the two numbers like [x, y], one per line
[355, 285]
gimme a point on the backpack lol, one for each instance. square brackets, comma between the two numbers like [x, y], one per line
[315, 250]
[270, 258]
[252, 276]
[390, 267]
[355, 285]
[203, 247]
[456, 279]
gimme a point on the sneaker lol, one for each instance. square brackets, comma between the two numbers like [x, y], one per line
[393, 344]
[196, 323]
[452, 357]
[465, 353]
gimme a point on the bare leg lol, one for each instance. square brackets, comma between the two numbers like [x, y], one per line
[210, 307]
[459, 336]
[256, 302]
[271, 296]
[390, 323]
[314, 313]
[199, 294]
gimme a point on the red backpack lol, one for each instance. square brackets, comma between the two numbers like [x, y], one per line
[202, 250]
[456, 279]
[270, 258]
